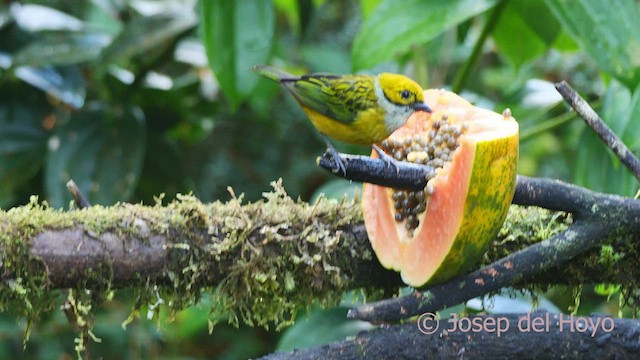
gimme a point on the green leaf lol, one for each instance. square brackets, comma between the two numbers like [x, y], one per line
[21, 153]
[367, 7]
[102, 152]
[22, 138]
[606, 289]
[5, 16]
[607, 31]
[35, 18]
[146, 33]
[525, 30]
[564, 42]
[64, 83]
[599, 169]
[321, 56]
[237, 35]
[394, 26]
[320, 326]
[290, 9]
[62, 49]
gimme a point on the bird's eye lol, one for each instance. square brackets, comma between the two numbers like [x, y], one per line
[405, 94]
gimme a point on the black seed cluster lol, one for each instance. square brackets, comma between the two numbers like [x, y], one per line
[435, 149]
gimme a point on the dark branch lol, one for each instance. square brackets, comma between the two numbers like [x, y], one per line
[540, 335]
[361, 168]
[546, 193]
[592, 119]
[581, 202]
[504, 272]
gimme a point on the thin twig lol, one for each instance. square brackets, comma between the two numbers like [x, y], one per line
[78, 197]
[594, 121]
[463, 74]
[544, 126]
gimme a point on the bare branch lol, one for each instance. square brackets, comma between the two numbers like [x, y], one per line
[78, 197]
[594, 121]
[540, 335]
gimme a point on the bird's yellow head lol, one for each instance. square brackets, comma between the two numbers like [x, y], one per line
[399, 97]
[400, 90]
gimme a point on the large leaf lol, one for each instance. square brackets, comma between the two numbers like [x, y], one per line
[525, 30]
[33, 18]
[102, 152]
[5, 16]
[394, 26]
[64, 83]
[237, 35]
[599, 169]
[62, 49]
[146, 33]
[319, 327]
[608, 31]
[22, 143]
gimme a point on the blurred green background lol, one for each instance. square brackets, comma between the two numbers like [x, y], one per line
[134, 98]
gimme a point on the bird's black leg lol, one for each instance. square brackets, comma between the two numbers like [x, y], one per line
[336, 156]
[391, 161]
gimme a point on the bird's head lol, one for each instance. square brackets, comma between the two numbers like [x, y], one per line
[402, 91]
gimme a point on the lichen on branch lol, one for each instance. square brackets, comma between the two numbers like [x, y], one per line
[260, 261]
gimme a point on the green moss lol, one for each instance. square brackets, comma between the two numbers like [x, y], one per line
[525, 226]
[608, 256]
[284, 250]
[268, 258]
[23, 290]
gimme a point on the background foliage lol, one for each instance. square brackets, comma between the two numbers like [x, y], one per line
[133, 98]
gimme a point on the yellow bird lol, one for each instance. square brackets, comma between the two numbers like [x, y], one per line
[357, 109]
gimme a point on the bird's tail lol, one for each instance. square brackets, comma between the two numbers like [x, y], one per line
[273, 73]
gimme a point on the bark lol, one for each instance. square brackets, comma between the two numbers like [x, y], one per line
[539, 335]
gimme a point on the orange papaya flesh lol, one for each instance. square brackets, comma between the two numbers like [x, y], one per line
[466, 200]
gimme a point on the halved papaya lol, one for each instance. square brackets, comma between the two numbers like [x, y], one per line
[433, 235]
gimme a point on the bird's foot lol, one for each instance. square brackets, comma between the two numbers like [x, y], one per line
[388, 159]
[340, 167]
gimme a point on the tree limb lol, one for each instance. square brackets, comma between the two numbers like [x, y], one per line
[540, 335]
[290, 252]
[504, 272]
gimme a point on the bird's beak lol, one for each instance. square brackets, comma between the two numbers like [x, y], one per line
[420, 106]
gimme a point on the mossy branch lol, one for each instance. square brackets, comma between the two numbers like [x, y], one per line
[262, 260]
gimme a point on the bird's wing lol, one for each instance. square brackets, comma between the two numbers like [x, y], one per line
[338, 97]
